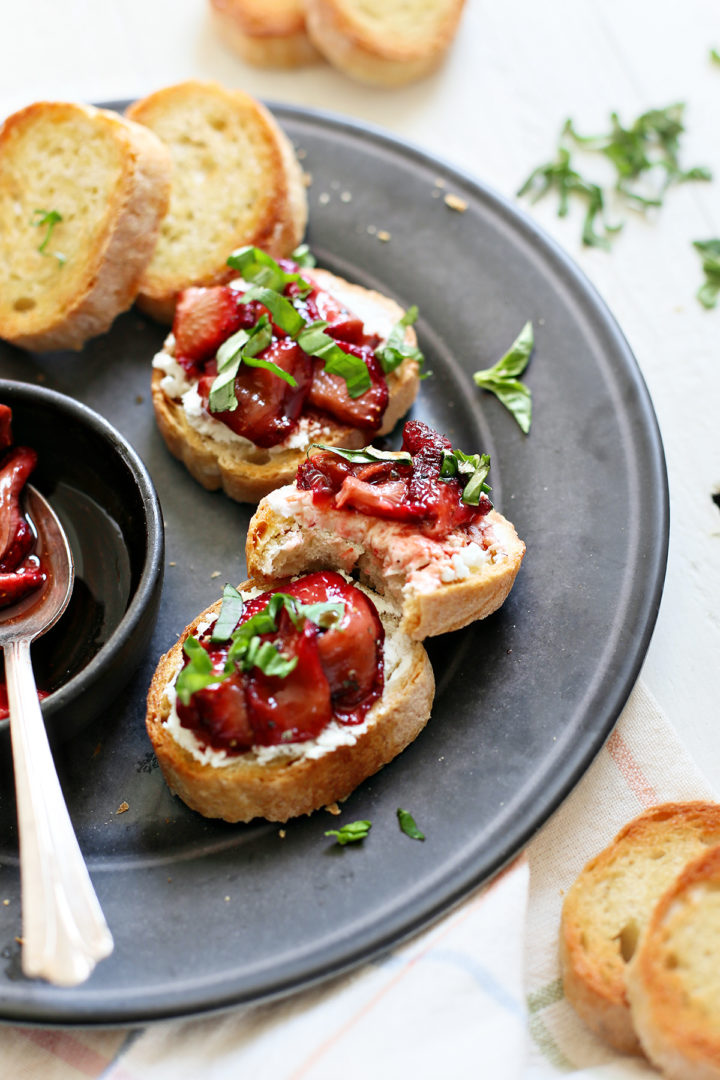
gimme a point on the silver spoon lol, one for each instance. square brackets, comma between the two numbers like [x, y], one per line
[64, 930]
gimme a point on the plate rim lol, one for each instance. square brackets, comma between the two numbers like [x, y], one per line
[441, 900]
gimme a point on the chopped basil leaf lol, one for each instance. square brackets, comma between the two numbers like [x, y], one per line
[198, 673]
[48, 218]
[408, 826]
[715, 56]
[303, 256]
[313, 340]
[259, 268]
[648, 148]
[708, 292]
[284, 314]
[242, 346]
[267, 657]
[395, 350]
[367, 455]
[351, 833]
[268, 280]
[501, 381]
[473, 468]
[230, 613]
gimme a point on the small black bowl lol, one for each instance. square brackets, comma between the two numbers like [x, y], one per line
[106, 501]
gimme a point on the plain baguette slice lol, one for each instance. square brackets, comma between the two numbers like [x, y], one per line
[289, 533]
[236, 181]
[266, 33]
[289, 787]
[246, 472]
[109, 179]
[673, 981]
[383, 42]
[610, 904]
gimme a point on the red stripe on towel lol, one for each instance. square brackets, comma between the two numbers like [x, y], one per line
[631, 772]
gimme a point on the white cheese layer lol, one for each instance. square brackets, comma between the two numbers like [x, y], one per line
[395, 657]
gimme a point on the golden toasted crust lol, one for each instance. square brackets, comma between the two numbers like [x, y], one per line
[608, 907]
[245, 472]
[109, 179]
[672, 981]
[385, 42]
[281, 790]
[267, 33]
[289, 533]
[236, 180]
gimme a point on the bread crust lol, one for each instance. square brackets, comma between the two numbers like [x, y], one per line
[349, 540]
[246, 474]
[592, 934]
[266, 33]
[374, 50]
[675, 1006]
[281, 790]
[116, 240]
[251, 177]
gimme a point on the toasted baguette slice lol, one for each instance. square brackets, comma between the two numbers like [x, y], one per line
[236, 180]
[293, 781]
[218, 458]
[609, 906]
[266, 33]
[63, 281]
[673, 981]
[438, 585]
[385, 42]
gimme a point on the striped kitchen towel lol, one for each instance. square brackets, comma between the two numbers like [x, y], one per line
[454, 1001]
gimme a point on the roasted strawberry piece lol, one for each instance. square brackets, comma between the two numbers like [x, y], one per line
[298, 706]
[267, 406]
[330, 393]
[204, 318]
[16, 536]
[17, 584]
[220, 714]
[350, 647]
[396, 490]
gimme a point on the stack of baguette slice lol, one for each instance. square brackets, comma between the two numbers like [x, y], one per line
[383, 43]
[639, 940]
[98, 210]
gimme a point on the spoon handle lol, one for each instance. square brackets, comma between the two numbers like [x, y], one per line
[64, 930]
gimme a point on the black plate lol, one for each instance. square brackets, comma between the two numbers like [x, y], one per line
[207, 915]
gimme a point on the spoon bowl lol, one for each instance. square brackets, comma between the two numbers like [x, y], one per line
[64, 930]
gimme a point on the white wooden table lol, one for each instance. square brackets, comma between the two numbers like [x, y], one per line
[516, 71]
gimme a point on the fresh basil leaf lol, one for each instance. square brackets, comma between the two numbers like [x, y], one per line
[395, 350]
[231, 611]
[197, 674]
[408, 826]
[367, 455]
[351, 833]
[229, 357]
[500, 380]
[315, 342]
[242, 347]
[287, 317]
[715, 56]
[259, 268]
[303, 256]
